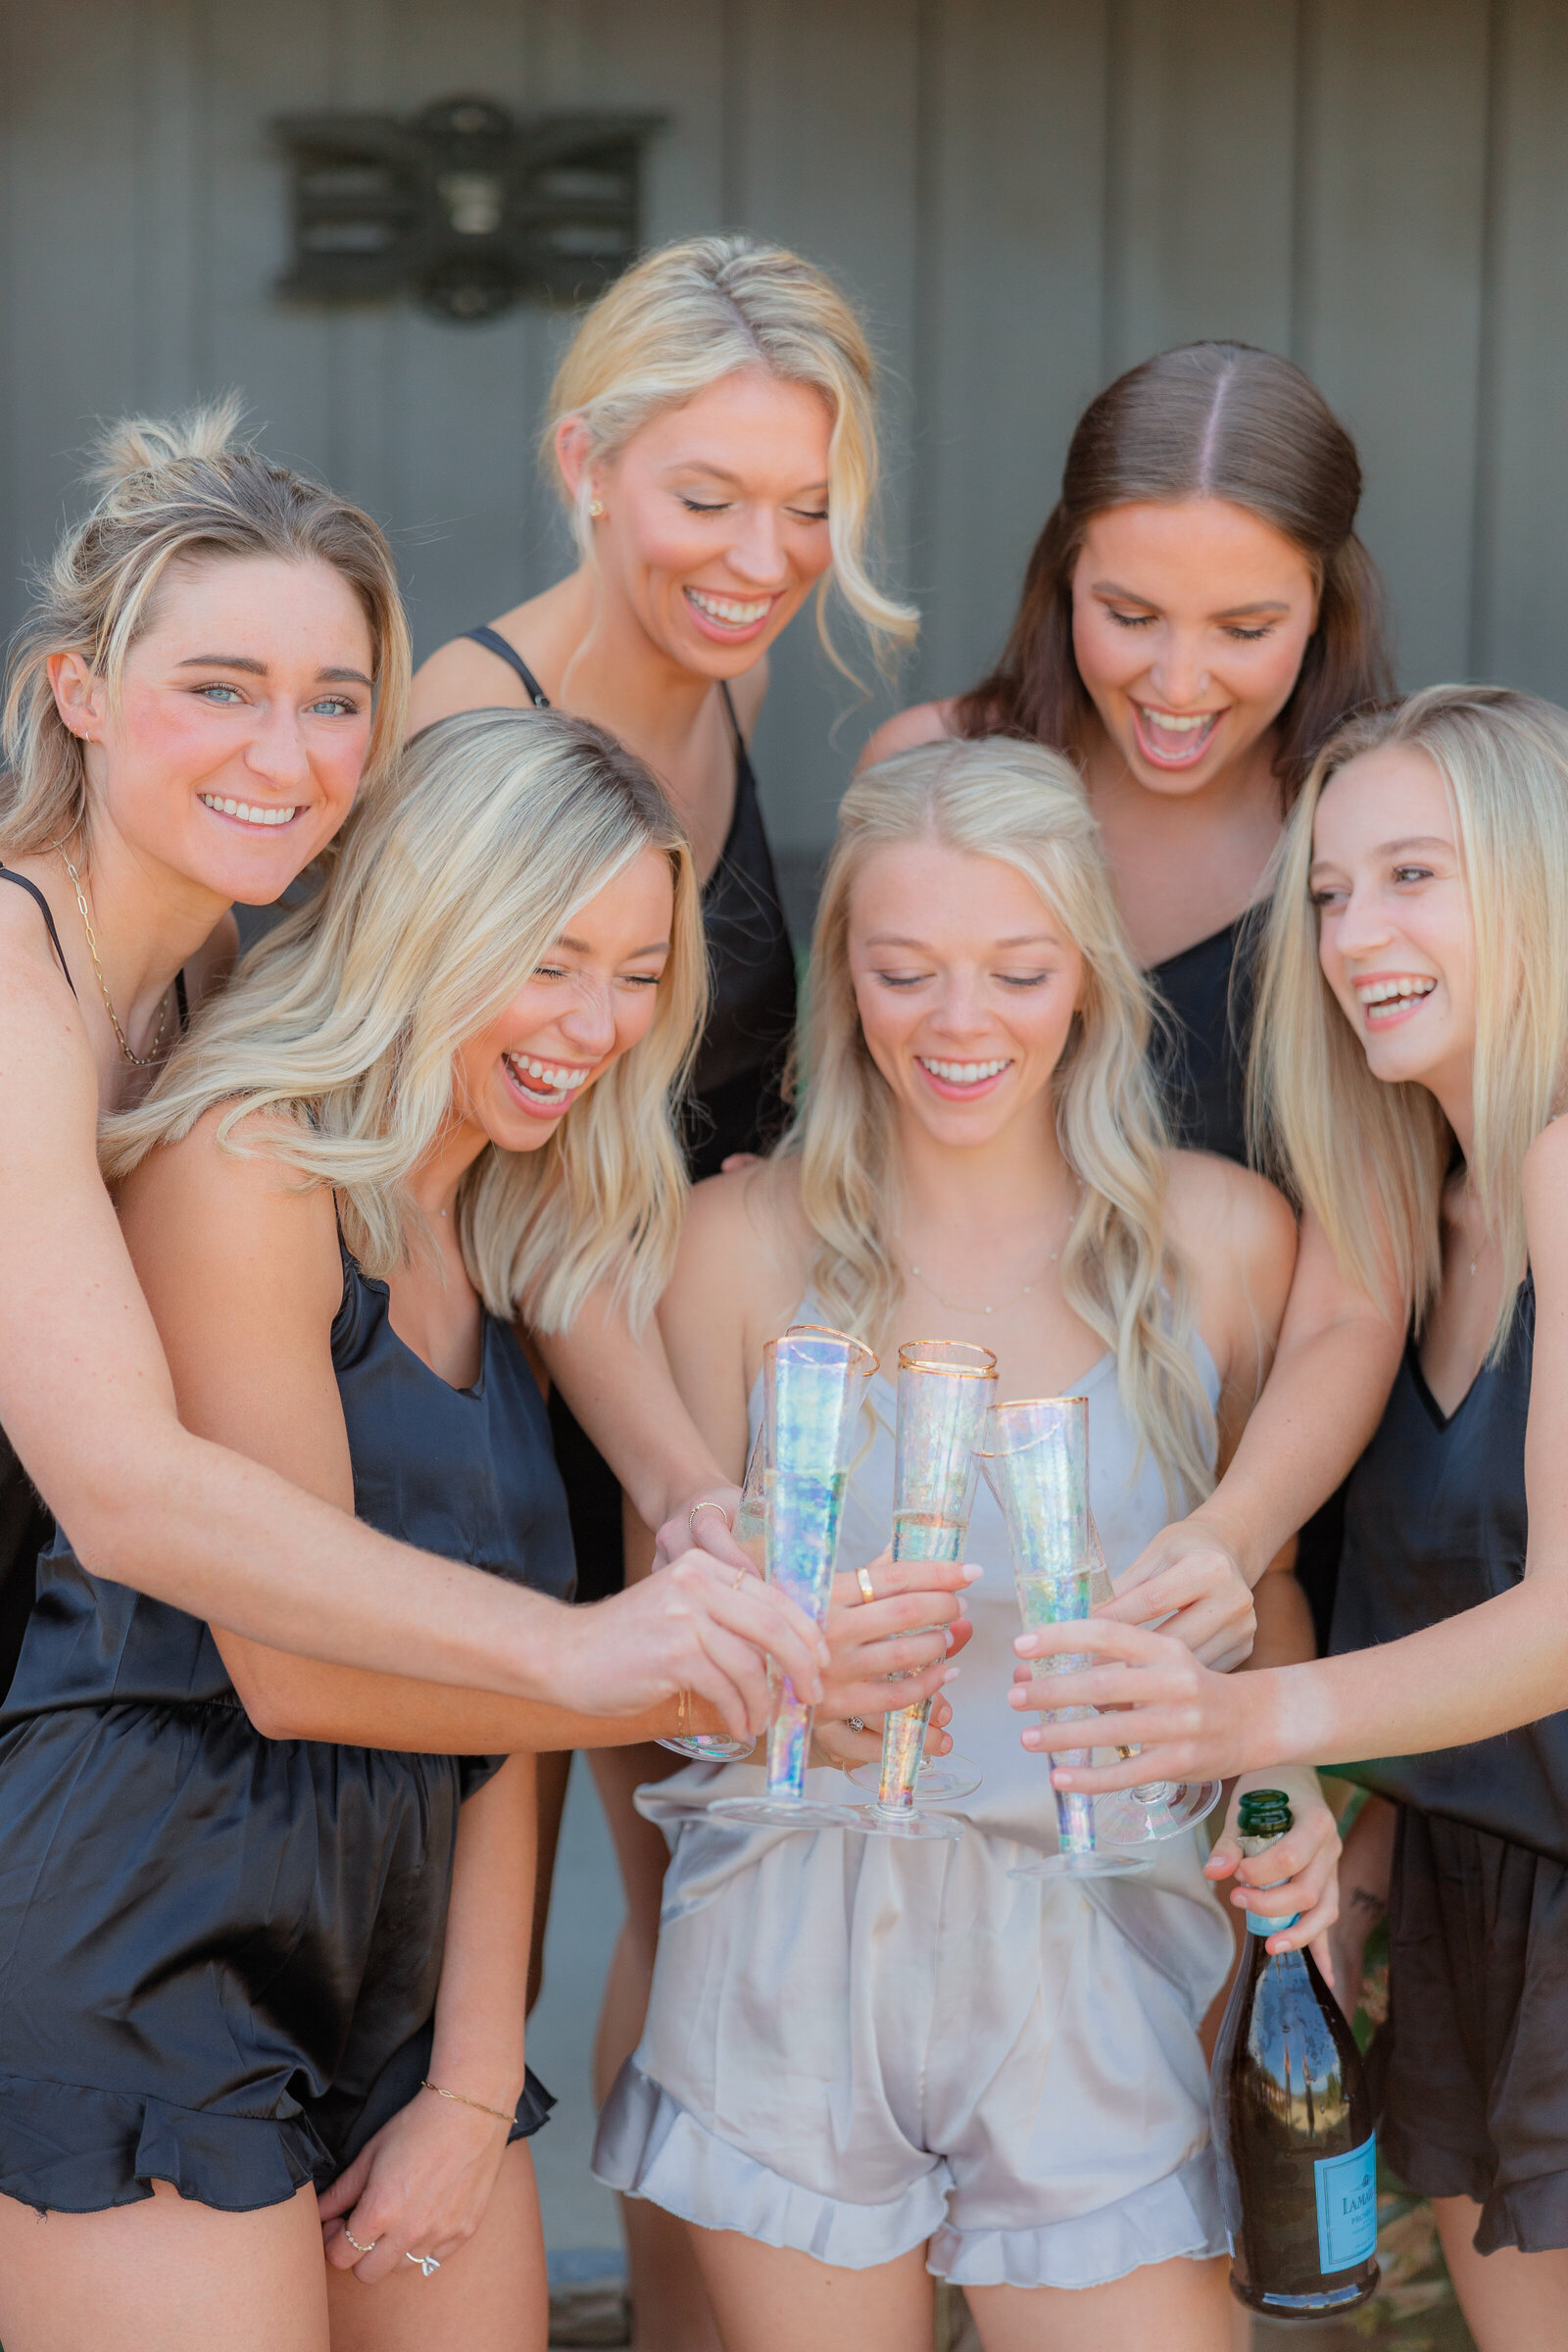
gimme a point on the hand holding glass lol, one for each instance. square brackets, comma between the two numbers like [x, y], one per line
[814, 1388]
[1034, 1456]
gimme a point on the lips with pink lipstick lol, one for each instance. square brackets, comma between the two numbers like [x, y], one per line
[1174, 738]
[732, 618]
[1387, 999]
[963, 1081]
[545, 1088]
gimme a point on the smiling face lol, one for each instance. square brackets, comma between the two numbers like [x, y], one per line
[242, 724]
[1189, 622]
[966, 986]
[1396, 938]
[714, 527]
[590, 1001]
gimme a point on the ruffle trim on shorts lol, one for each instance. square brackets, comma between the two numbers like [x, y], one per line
[1530, 2214]
[1165, 2218]
[65, 2148]
[649, 2145]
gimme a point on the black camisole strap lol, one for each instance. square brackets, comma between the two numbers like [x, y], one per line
[182, 1001]
[494, 643]
[33, 892]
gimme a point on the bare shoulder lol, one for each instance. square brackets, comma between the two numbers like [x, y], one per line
[244, 1210]
[1546, 1177]
[747, 1221]
[460, 675]
[1224, 1216]
[905, 730]
[48, 1079]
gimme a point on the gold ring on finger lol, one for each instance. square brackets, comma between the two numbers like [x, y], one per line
[862, 1577]
[740, 1574]
[355, 2243]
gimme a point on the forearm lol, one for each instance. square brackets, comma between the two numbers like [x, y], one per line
[1314, 1419]
[192, 1524]
[1488, 1670]
[1284, 1634]
[480, 2006]
[623, 1391]
[290, 1697]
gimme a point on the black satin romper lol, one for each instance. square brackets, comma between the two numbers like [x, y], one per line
[1471, 2068]
[218, 1953]
[736, 1101]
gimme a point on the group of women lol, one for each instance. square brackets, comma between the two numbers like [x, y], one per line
[358, 1312]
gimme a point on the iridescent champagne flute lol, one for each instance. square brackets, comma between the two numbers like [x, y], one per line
[717, 1747]
[1034, 1456]
[945, 1389]
[813, 1390]
[1150, 1810]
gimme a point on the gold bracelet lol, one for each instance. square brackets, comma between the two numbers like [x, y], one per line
[499, 2113]
[683, 1715]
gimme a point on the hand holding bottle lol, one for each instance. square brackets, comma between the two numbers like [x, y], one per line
[1296, 1881]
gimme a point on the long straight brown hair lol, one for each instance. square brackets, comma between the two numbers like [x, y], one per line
[1205, 421]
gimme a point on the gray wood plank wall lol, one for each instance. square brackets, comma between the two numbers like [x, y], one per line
[1026, 195]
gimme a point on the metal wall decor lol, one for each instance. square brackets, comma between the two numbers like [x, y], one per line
[461, 204]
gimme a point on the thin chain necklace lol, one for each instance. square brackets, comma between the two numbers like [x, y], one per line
[141, 1061]
[956, 1307]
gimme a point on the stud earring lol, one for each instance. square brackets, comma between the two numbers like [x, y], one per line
[595, 508]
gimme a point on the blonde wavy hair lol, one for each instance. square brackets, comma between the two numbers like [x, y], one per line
[451, 886]
[1370, 1160]
[1025, 807]
[175, 491]
[692, 313]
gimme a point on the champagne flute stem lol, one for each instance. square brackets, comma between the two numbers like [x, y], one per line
[903, 1747]
[789, 1737]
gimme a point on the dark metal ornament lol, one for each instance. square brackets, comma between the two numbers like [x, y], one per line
[461, 204]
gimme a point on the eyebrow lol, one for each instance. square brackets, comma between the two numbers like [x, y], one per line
[1024, 939]
[1131, 596]
[721, 473]
[1392, 849]
[257, 669]
[583, 947]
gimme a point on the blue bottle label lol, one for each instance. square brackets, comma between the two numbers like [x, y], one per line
[1258, 1925]
[1347, 2207]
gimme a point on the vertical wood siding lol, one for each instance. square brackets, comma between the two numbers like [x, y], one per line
[1027, 195]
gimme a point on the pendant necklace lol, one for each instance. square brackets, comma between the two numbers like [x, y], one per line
[956, 1308]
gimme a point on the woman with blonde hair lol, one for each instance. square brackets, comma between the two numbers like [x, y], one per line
[1412, 1059]
[866, 2060]
[214, 663]
[712, 433]
[439, 1095]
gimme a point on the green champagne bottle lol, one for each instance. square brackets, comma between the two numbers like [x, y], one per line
[1293, 2122]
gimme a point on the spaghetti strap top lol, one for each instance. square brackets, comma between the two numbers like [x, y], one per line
[1206, 1000]
[738, 1101]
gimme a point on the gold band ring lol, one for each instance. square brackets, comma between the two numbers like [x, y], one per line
[707, 1504]
[740, 1574]
[862, 1577]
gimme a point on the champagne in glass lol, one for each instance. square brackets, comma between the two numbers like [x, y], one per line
[1150, 1810]
[813, 1386]
[945, 1391]
[1293, 2122]
[1035, 1458]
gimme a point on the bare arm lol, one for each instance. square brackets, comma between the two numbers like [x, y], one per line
[1337, 1356]
[425, 2178]
[1487, 1670]
[922, 722]
[624, 1393]
[242, 1272]
[87, 1398]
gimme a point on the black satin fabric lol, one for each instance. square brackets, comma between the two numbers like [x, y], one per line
[736, 1101]
[1436, 1523]
[1205, 995]
[219, 1953]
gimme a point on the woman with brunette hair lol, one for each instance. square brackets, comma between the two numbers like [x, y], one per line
[1411, 1067]
[1197, 614]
